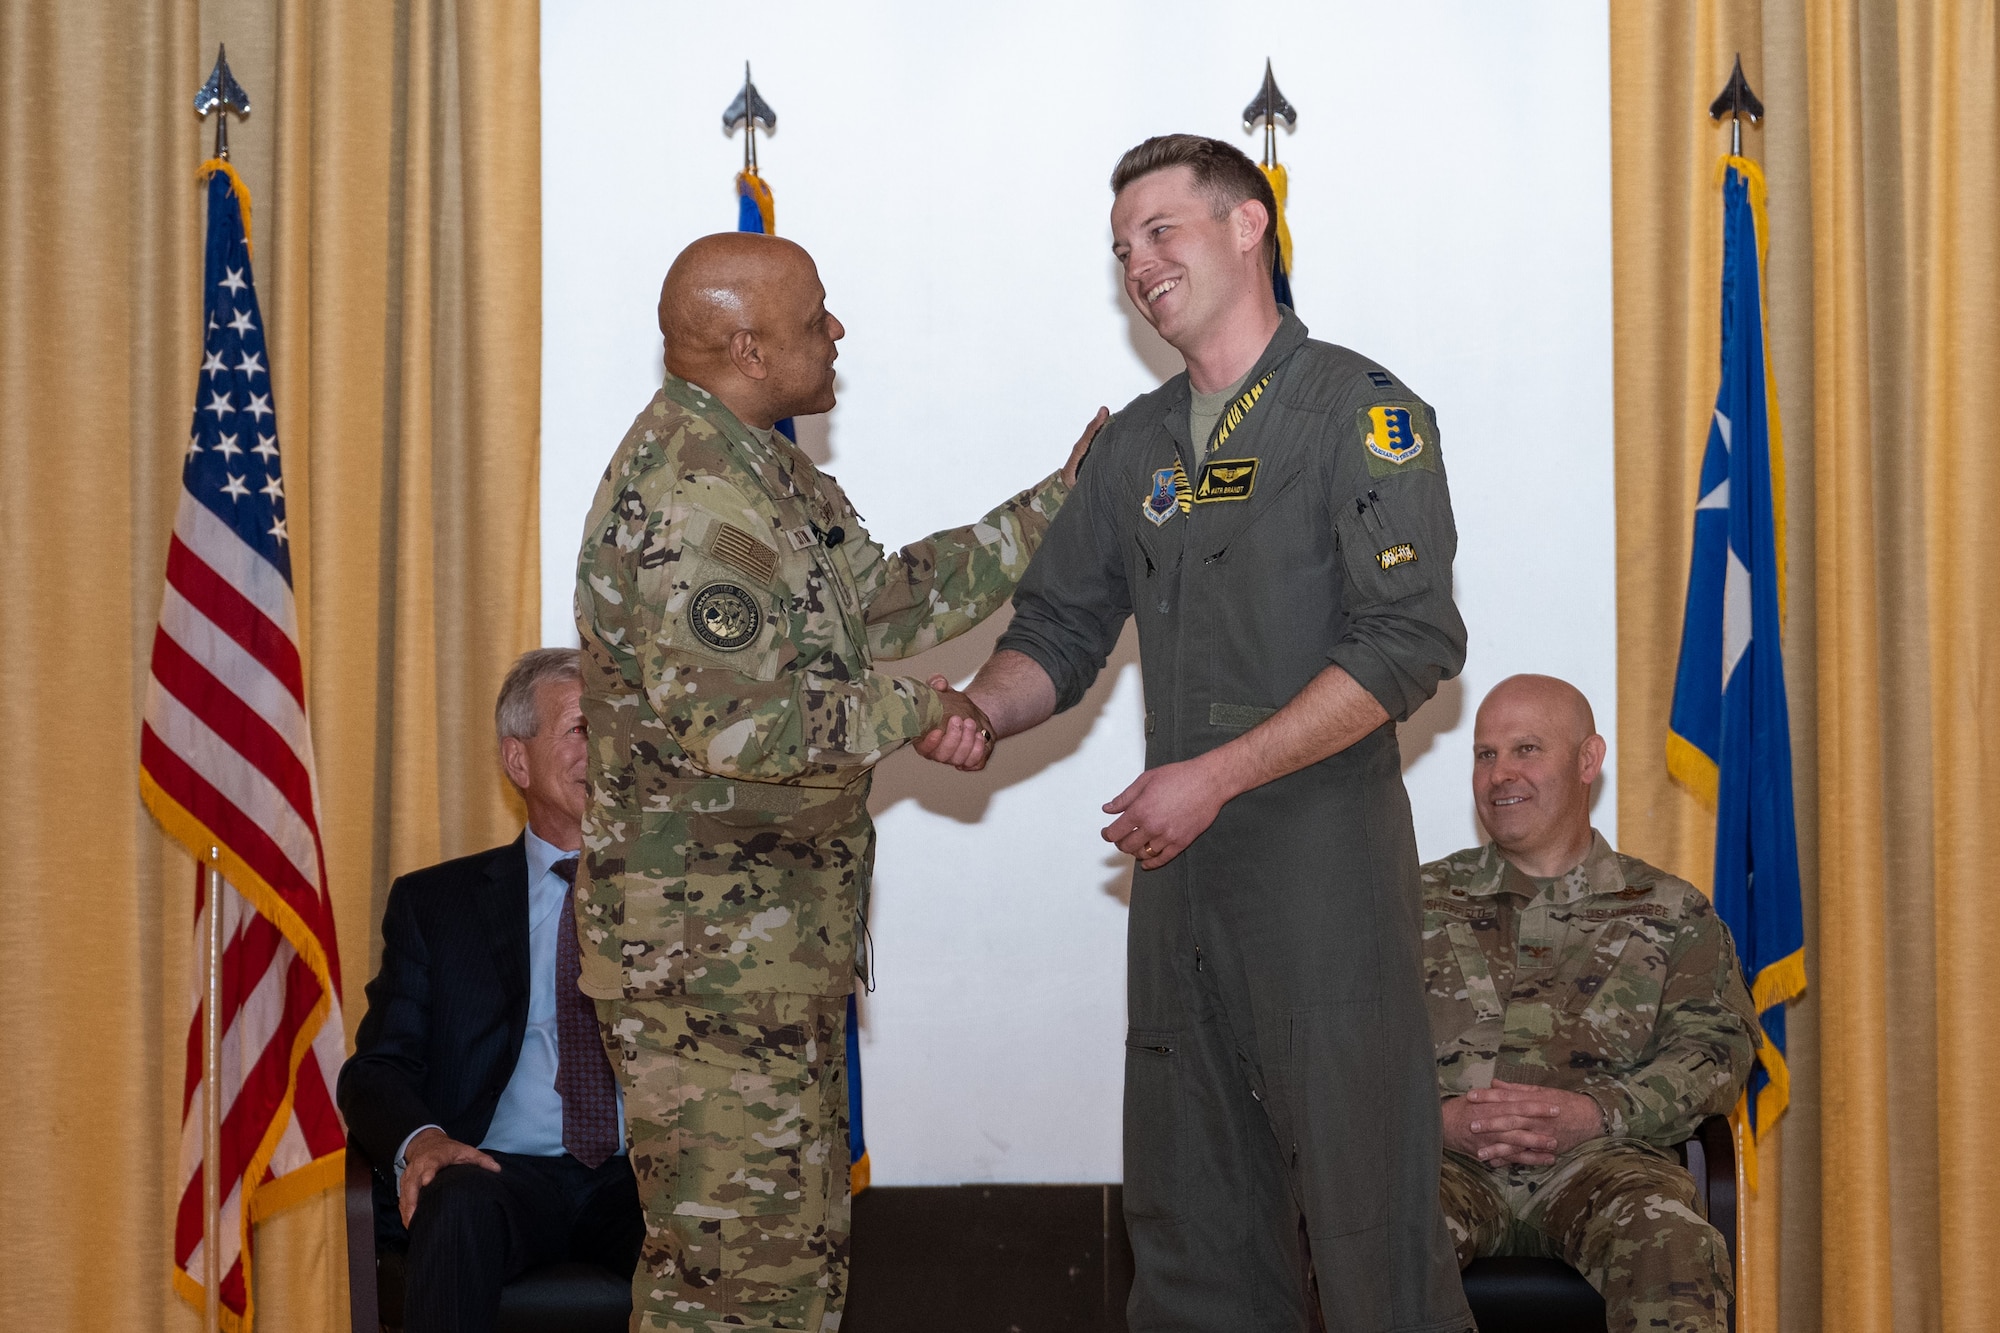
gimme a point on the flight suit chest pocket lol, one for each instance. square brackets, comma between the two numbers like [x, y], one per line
[1383, 550]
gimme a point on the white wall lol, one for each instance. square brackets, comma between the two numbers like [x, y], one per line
[947, 165]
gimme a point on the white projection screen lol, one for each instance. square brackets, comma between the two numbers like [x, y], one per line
[947, 167]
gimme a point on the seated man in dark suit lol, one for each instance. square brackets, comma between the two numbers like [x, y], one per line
[479, 1077]
[1588, 1012]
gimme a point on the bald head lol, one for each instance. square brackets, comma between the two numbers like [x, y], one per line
[744, 316]
[1558, 706]
[1535, 754]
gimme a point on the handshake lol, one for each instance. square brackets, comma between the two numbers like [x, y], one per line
[966, 739]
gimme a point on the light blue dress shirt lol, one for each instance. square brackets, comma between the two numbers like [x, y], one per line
[528, 1118]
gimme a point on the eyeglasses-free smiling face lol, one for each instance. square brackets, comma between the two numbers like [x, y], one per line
[1183, 264]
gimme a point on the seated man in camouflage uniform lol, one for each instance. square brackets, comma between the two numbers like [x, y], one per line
[1588, 1012]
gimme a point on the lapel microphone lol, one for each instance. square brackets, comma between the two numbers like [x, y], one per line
[829, 538]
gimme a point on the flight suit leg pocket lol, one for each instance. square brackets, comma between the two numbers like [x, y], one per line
[1155, 1125]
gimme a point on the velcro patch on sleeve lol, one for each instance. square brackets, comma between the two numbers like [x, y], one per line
[733, 546]
[1398, 436]
[1402, 553]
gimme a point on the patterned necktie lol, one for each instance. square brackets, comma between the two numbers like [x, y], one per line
[583, 1071]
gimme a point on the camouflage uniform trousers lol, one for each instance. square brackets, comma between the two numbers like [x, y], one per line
[737, 1116]
[1619, 1211]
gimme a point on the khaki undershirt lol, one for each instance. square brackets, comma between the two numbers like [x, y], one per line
[1205, 409]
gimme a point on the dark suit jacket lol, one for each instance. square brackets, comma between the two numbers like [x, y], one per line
[448, 1009]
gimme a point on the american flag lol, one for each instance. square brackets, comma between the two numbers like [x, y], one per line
[226, 762]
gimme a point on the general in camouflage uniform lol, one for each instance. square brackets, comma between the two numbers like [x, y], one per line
[732, 609]
[1617, 981]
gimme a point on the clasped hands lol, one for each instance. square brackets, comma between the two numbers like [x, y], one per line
[1164, 809]
[1519, 1122]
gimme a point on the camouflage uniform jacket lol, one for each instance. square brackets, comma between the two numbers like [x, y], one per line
[1615, 980]
[731, 609]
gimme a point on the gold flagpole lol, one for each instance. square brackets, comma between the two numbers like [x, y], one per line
[211, 1103]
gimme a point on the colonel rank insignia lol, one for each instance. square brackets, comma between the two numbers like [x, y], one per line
[1391, 433]
[1161, 503]
[1232, 479]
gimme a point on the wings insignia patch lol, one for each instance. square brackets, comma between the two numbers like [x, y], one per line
[1226, 479]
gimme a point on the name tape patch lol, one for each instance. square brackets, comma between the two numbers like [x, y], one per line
[1231, 479]
[1400, 554]
[725, 617]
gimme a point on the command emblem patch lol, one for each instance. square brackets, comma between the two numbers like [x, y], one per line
[725, 617]
[1401, 554]
[1160, 505]
[1392, 434]
[1230, 479]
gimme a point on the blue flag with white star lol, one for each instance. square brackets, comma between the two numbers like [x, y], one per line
[1729, 738]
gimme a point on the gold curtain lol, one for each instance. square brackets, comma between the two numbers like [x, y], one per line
[1882, 147]
[393, 156]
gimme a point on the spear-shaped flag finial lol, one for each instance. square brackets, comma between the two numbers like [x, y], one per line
[1736, 101]
[1269, 106]
[747, 110]
[222, 92]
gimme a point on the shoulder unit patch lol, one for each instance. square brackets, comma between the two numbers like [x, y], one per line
[1397, 436]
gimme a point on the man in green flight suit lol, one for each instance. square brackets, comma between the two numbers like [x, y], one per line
[731, 609]
[1588, 1012]
[1277, 520]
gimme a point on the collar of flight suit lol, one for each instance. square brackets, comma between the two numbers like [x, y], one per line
[1598, 873]
[1291, 335]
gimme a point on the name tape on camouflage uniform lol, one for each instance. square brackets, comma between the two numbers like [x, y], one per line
[725, 617]
[1232, 479]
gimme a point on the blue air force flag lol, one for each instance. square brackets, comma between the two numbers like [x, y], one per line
[1729, 738]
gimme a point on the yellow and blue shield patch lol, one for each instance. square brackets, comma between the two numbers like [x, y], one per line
[1392, 434]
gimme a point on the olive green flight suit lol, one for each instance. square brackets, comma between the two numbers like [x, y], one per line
[1278, 1061]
